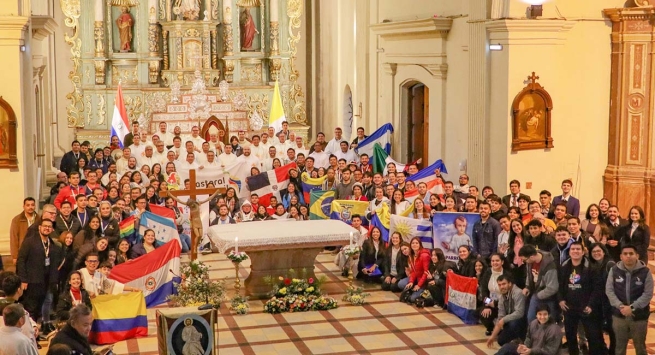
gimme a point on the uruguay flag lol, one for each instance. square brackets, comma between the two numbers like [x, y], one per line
[270, 183]
[165, 228]
[460, 296]
[119, 123]
[154, 273]
[411, 227]
[382, 136]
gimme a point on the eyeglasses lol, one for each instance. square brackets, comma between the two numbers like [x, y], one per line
[46, 227]
[92, 261]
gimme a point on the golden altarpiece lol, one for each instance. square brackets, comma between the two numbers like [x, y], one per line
[182, 61]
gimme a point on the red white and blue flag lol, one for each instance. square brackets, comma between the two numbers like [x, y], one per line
[460, 296]
[428, 176]
[154, 273]
[119, 123]
[270, 183]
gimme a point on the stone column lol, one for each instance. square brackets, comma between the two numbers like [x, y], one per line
[629, 176]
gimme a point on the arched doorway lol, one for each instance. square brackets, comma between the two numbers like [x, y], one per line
[417, 113]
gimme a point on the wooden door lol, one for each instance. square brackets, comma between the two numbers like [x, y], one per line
[418, 123]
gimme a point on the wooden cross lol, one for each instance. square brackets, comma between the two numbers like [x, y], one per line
[533, 78]
[193, 192]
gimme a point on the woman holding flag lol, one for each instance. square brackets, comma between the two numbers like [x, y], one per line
[419, 264]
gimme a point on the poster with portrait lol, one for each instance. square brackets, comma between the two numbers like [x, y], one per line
[452, 230]
[186, 330]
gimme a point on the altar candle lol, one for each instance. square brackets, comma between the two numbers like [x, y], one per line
[236, 245]
[274, 10]
[351, 239]
[98, 12]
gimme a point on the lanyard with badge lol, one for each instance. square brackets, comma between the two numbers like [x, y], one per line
[46, 249]
[68, 228]
[82, 221]
[103, 226]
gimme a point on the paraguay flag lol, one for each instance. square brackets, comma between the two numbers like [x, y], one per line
[382, 136]
[320, 204]
[119, 123]
[165, 228]
[411, 227]
[460, 296]
[127, 229]
[310, 184]
[270, 183]
[382, 220]
[154, 273]
[118, 317]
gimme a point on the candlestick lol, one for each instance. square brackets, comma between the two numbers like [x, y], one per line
[274, 10]
[236, 245]
[98, 11]
[351, 239]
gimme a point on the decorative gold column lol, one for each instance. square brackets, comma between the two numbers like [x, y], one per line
[99, 38]
[630, 174]
[166, 53]
[214, 51]
[228, 45]
[275, 61]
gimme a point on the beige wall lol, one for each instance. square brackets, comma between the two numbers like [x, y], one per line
[573, 62]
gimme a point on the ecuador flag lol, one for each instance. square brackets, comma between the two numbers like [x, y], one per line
[343, 210]
[118, 317]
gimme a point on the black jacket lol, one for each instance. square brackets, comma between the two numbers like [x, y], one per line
[30, 266]
[368, 257]
[72, 224]
[112, 231]
[69, 162]
[542, 241]
[66, 301]
[467, 267]
[69, 336]
[580, 289]
[614, 252]
[401, 263]
[640, 239]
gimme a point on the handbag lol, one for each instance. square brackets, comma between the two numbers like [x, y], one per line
[406, 295]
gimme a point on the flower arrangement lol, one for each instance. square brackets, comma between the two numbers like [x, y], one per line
[237, 257]
[239, 304]
[355, 295]
[196, 288]
[290, 294]
[351, 250]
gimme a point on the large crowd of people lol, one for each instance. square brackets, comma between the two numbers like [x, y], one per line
[539, 266]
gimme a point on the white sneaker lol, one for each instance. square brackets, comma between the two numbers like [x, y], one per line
[206, 251]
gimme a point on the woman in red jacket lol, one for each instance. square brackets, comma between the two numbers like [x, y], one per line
[419, 264]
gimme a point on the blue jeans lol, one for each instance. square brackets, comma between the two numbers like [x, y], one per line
[535, 302]
[415, 295]
[46, 307]
[186, 243]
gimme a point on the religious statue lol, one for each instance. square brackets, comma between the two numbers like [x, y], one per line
[125, 23]
[194, 216]
[190, 9]
[191, 337]
[248, 29]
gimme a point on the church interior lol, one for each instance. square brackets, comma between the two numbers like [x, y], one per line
[446, 74]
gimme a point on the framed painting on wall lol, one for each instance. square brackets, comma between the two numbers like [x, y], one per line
[8, 158]
[531, 117]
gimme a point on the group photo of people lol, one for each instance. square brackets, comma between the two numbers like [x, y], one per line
[547, 268]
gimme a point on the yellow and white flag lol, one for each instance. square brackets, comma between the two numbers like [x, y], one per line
[276, 116]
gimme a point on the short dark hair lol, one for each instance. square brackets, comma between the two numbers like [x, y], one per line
[534, 202]
[503, 216]
[10, 284]
[75, 141]
[364, 154]
[515, 182]
[28, 199]
[543, 307]
[562, 229]
[573, 217]
[624, 246]
[356, 216]
[70, 175]
[567, 181]
[504, 277]
[563, 204]
[495, 198]
[545, 192]
[12, 314]
[527, 251]
[576, 243]
[93, 253]
[65, 202]
[524, 198]
[534, 223]
[485, 203]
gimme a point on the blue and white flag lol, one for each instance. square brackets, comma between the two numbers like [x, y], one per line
[381, 136]
[410, 228]
[165, 229]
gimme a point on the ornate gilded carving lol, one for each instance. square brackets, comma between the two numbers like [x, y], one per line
[298, 112]
[128, 3]
[228, 68]
[133, 106]
[228, 44]
[89, 114]
[275, 38]
[153, 39]
[192, 32]
[251, 74]
[162, 9]
[99, 37]
[206, 55]
[214, 50]
[87, 74]
[166, 54]
[101, 109]
[71, 11]
[155, 102]
[644, 3]
[100, 71]
[257, 103]
[153, 71]
[275, 65]
[124, 75]
[215, 8]
[178, 53]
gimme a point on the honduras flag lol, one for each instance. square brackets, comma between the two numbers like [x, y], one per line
[154, 273]
[410, 228]
[460, 296]
[382, 136]
[165, 228]
[119, 123]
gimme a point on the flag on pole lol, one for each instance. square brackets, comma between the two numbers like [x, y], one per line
[381, 219]
[411, 227]
[428, 176]
[118, 317]
[154, 273]
[119, 123]
[162, 211]
[382, 136]
[381, 160]
[276, 117]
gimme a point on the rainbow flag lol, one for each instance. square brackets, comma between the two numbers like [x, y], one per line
[118, 317]
[127, 229]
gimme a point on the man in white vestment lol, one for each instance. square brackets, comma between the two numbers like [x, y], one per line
[138, 148]
[248, 158]
[299, 147]
[321, 158]
[227, 158]
[121, 163]
[211, 161]
[160, 153]
[267, 163]
[257, 149]
[334, 144]
[281, 146]
[189, 163]
[148, 158]
[196, 138]
[348, 154]
[164, 135]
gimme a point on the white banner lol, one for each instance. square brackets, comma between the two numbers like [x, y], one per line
[215, 175]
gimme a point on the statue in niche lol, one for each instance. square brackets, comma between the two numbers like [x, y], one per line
[190, 9]
[248, 29]
[125, 23]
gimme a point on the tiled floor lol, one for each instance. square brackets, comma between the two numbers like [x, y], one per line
[383, 326]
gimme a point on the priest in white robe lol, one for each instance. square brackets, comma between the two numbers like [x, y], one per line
[248, 158]
[227, 158]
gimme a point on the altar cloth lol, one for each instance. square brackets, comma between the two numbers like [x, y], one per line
[281, 234]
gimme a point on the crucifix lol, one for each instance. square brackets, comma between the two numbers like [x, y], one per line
[533, 78]
[194, 206]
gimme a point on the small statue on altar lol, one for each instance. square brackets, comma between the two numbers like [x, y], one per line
[248, 29]
[190, 9]
[125, 23]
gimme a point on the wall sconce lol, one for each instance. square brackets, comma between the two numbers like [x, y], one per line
[495, 47]
[536, 11]
[23, 48]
